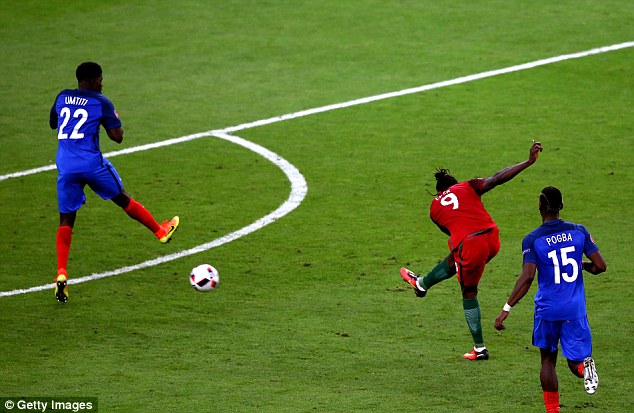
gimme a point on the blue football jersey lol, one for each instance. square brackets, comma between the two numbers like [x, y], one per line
[557, 248]
[79, 113]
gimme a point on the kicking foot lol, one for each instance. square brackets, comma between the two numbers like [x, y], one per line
[168, 228]
[411, 278]
[477, 354]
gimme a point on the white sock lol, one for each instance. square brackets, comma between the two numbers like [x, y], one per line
[420, 287]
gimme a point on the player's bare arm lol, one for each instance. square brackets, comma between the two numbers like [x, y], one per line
[115, 134]
[509, 173]
[596, 265]
[522, 285]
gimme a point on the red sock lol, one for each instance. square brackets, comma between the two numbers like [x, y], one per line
[138, 212]
[63, 240]
[580, 369]
[551, 400]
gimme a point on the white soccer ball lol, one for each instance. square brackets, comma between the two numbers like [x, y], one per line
[204, 278]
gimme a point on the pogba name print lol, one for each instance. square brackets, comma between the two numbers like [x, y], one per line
[559, 238]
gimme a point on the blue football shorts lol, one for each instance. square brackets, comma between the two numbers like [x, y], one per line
[574, 335]
[105, 182]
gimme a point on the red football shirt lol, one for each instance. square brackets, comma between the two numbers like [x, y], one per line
[459, 209]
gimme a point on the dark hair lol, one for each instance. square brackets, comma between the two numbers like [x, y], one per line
[88, 71]
[550, 200]
[444, 179]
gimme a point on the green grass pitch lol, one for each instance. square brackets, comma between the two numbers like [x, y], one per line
[311, 314]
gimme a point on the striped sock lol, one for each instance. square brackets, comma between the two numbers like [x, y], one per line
[440, 272]
[472, 315]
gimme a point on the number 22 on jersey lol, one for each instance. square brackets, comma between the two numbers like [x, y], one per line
[65, 114]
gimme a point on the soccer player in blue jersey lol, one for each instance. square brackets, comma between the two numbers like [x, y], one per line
[555, 251]
[78, 114]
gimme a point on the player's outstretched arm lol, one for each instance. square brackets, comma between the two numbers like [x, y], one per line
[522, 285]
[509, 173]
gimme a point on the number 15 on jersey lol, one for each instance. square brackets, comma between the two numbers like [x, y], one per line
[565, 261]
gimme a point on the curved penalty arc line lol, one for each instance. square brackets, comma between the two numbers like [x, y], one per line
[299, 189]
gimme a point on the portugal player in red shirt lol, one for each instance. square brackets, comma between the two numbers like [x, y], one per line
[474, 240]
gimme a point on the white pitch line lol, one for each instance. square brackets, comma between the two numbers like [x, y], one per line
[437, 85]
[355, 102]
[298, 183]
[299, 188]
